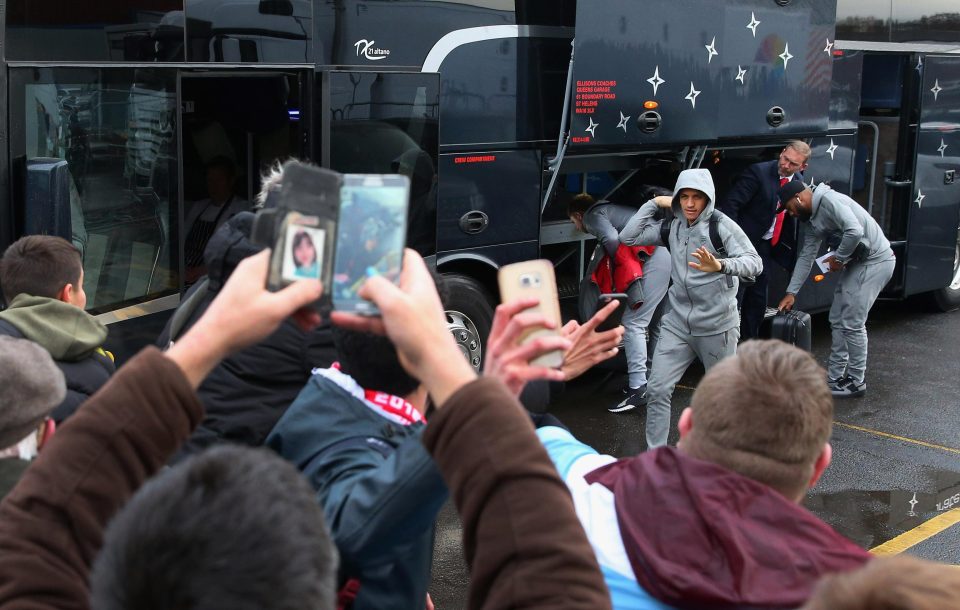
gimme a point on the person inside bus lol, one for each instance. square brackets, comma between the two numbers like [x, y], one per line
[645, 270]
[717, 522]
[753, 204]
[42, 281]
[865, 262]
[701, 319]
[206, 215]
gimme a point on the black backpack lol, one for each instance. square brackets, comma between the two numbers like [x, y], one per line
[714, 230]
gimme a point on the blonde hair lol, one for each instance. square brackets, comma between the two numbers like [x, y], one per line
[801, 147]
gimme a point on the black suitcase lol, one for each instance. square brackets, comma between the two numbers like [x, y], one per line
[792, 327]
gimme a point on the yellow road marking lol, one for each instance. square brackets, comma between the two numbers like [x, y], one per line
[898, 438]
[918, 534]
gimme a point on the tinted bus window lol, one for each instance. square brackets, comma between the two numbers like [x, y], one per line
[388, 123]
[104, 30]
[246, 31]
[116, 130]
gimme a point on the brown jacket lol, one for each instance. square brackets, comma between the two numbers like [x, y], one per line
[521, 536]
[52, 523]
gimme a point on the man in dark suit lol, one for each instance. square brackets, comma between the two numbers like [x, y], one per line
[752, 202]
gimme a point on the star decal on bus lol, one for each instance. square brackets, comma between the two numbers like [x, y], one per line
[936, 89]
[711, 49]
[829, 48]
[785, 56]
[592, 128]
[943, 147]
[752, 26]
[832, 149]
[692, 96]
[920, 198]
[740, 74]
[623, 122]
[655, 80]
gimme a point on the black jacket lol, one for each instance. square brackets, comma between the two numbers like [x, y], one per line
[752, 203]
[84, 376]
[249, 391]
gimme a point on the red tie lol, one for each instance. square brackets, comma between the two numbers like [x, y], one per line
[778, 225]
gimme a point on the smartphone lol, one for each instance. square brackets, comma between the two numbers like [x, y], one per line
[300, 226]
[615, 318]
[534, 279]
[370, 236]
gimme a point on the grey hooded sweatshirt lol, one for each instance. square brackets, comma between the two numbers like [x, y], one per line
[700, 303]
[837, 218]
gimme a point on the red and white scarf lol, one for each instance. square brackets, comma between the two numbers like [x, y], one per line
[391, 407]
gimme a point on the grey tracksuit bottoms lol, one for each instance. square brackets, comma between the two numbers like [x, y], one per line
[859, 286]
[674, 353]
[656, 279]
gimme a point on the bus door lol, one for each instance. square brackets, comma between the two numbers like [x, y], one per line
[932, 223]
[234, 125]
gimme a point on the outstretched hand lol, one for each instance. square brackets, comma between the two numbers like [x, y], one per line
[412, 317]
[508, 360]
[590, 347]
[706, 261]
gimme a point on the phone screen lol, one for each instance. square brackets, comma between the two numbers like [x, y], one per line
[370, 237]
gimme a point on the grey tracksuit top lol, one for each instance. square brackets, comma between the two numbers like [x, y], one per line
[700, 303]
[604, 220]
[836, 217]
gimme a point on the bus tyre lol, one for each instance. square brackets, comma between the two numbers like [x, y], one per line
[469, 311]
[948, 298]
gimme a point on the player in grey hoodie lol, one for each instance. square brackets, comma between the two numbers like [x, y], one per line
[863, 259]
[701, 317]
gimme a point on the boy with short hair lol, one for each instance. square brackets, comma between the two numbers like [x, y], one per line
[42, 281]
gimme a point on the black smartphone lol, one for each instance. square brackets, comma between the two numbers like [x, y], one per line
[615, 318]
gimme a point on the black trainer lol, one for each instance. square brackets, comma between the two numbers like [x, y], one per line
[636, 398]
[846, 387]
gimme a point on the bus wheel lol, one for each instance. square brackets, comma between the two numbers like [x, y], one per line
[948, 298]
[469, 316]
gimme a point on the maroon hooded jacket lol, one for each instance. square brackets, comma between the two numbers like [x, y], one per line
[701, 536]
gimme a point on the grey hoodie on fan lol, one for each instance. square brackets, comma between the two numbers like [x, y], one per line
[700, 303]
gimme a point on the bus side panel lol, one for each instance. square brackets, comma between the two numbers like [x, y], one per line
[935, 208]
[488, 198]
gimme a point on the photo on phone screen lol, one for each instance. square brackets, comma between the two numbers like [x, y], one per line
[303, 257]
[370, 237]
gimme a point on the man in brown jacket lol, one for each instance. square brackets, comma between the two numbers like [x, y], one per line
[521, 534]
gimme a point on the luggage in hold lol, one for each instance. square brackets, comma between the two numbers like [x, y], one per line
[792, 327]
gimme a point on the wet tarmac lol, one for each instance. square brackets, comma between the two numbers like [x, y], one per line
[896, 451]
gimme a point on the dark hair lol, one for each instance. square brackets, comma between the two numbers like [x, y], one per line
[580, 204]
[372, 359]
[232, 527]
[39, 265]
[765, 412]
[298, 238]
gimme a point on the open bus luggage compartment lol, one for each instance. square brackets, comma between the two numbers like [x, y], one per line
[714, 69]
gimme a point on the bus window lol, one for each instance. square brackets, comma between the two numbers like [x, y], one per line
[115, 128]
